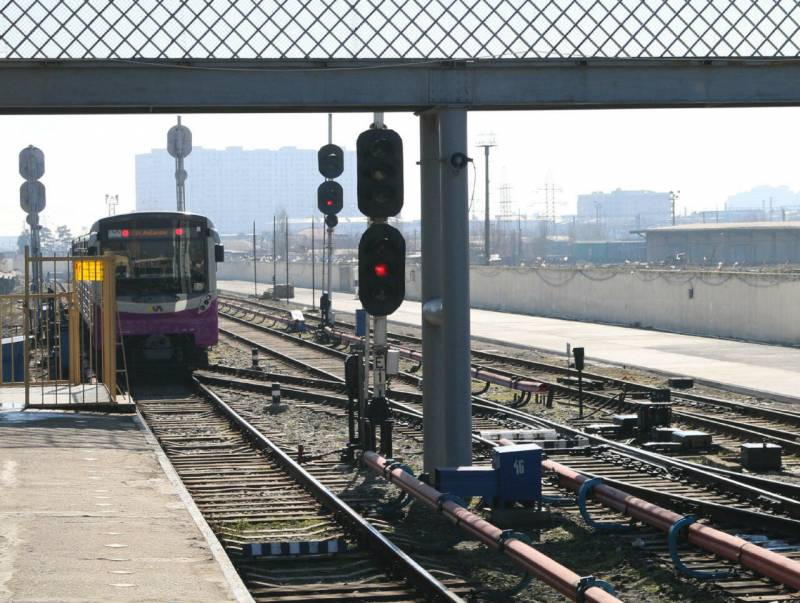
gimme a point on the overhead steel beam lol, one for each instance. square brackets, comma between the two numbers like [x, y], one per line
[109, 86]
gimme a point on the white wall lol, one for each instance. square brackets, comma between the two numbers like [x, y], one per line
[751, 306]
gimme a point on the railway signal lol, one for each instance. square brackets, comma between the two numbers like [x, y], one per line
[330, 198]
[330, 161]
[381, 269]
[380, 173]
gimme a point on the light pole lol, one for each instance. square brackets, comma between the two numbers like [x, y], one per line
[487, 142]
[673, 198]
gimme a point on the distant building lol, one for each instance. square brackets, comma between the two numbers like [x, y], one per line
[622, 211]
[8, 243]
[235, 186]
[764, 198]
[748, 243]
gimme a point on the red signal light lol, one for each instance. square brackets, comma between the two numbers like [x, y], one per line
[125, 233]
[329, 202]
[381, 270]
[179, 231]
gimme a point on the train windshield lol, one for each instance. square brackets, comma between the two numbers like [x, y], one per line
[159, 261]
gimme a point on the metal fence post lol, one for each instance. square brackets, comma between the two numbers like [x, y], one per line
[109, 326]
[74, 326]
[26, 322]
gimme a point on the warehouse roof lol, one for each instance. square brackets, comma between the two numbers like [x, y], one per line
[724, 226]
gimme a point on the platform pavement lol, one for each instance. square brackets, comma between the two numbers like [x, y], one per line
[749, 367]
[87, 514]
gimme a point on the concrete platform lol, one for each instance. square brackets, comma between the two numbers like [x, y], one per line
[742, 366]
[87, 514]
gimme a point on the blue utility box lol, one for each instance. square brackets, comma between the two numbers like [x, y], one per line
[515, 476]
[519, 472]
[466, 482]
[12, 350]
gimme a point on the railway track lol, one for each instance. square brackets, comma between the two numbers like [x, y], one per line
[659, 484]
[500, 415]
[260, 501]
[730, 422]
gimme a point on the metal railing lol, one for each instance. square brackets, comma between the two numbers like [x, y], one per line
[60, 335]
[398, 29]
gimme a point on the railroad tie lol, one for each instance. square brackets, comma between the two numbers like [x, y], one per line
[308, 547]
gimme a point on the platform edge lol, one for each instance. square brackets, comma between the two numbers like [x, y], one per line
[235, 585]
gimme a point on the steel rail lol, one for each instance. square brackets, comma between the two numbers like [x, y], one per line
[522, 384]
[414, 572]
[711, 509]
[765, 562]
[521, 554]
[748, 409]
[738, 485]
[780, 494]
[283, 357]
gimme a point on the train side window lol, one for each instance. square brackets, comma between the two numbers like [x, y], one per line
[219, 253]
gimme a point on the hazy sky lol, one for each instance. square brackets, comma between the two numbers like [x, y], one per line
[707, 154]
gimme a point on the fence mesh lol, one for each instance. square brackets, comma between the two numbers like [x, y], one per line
[397, 29]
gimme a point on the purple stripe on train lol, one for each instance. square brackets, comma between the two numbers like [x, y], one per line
[203, 325]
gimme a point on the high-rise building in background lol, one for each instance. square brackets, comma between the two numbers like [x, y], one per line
[235, 186]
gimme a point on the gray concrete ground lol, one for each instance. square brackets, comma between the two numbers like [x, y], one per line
[750, 366]
[87, 514]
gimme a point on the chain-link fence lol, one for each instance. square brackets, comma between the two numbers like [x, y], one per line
[397, 29]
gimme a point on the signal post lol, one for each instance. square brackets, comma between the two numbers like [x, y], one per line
[381, 263]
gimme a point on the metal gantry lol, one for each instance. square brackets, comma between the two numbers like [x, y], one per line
[440, 59]
[398, 29]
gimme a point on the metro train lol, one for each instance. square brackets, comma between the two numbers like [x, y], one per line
[166, 282]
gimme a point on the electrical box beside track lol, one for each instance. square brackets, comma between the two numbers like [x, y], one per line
[515, 476]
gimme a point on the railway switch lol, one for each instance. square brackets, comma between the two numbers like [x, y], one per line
[298, 324]
[761, 456]
[692, 440]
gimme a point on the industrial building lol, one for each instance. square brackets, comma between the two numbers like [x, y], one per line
[234, 186]
[619, 212]
[748, 243]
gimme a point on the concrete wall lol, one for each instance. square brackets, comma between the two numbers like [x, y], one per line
[757, 307]
[343, 275]
[751, 306]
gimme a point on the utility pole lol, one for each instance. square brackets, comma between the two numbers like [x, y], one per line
[255, 280]
[313, 267]
[274, 255]
[287, 257]
[487, 143]
[673, 198]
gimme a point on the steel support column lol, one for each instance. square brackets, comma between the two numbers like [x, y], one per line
[435, 449]
[457, 419]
